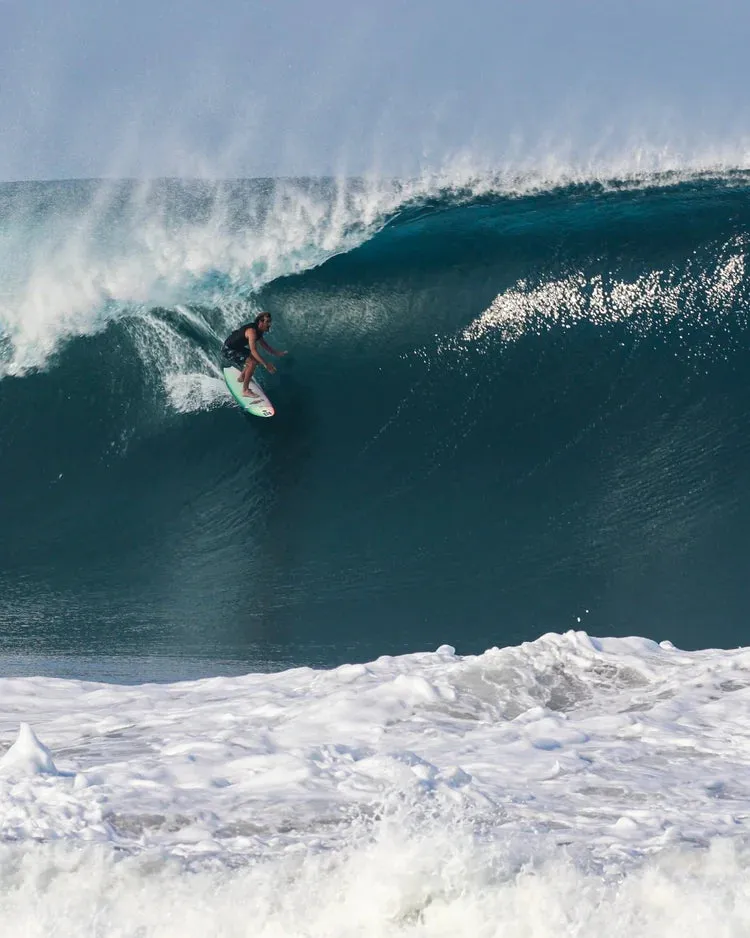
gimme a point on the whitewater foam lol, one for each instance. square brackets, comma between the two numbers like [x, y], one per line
[646, 736]
[569, 785]
[193, 392]
[27, 755]
[430, 886]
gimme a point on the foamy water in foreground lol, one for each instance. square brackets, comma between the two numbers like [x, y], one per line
[567, 786]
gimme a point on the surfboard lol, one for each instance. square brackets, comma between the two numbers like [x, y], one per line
[259, 406]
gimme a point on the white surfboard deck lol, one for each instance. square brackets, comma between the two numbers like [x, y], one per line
[258, 405]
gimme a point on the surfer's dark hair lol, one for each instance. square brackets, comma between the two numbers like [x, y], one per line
[262, 316]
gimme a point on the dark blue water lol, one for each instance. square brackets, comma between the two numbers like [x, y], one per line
[577, 457]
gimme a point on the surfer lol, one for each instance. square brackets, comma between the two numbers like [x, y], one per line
[241, 350]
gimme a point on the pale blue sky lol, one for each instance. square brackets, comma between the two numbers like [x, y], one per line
[228, 88]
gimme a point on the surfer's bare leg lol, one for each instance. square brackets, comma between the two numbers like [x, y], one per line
[246, 377]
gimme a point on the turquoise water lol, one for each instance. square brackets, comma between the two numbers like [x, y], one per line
[501, 415]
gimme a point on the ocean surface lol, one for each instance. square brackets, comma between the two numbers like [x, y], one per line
[452, 645]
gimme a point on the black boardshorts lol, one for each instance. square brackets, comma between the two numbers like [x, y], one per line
[233, 358]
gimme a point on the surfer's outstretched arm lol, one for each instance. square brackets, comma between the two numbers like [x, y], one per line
[255, 354]
[271, 349]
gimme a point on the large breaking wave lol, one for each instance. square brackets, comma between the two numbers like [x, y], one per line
[510, 407]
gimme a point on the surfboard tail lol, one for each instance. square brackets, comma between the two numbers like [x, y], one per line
[259, 405]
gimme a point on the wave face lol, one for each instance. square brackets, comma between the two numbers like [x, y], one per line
[504, 412]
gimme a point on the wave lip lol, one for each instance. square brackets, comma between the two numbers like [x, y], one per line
[78, 255]
[107, 250]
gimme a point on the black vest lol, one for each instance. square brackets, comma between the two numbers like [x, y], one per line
[237, 341]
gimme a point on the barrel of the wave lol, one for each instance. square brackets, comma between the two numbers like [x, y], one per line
[258, 405]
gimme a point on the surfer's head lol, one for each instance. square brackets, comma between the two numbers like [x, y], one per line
[263, 321]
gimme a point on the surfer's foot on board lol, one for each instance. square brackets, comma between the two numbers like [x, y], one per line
[249, 393]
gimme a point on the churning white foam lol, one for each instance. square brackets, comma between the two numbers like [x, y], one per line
[446, 885]
[649, 738]
[195, 391]
[567, 786]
